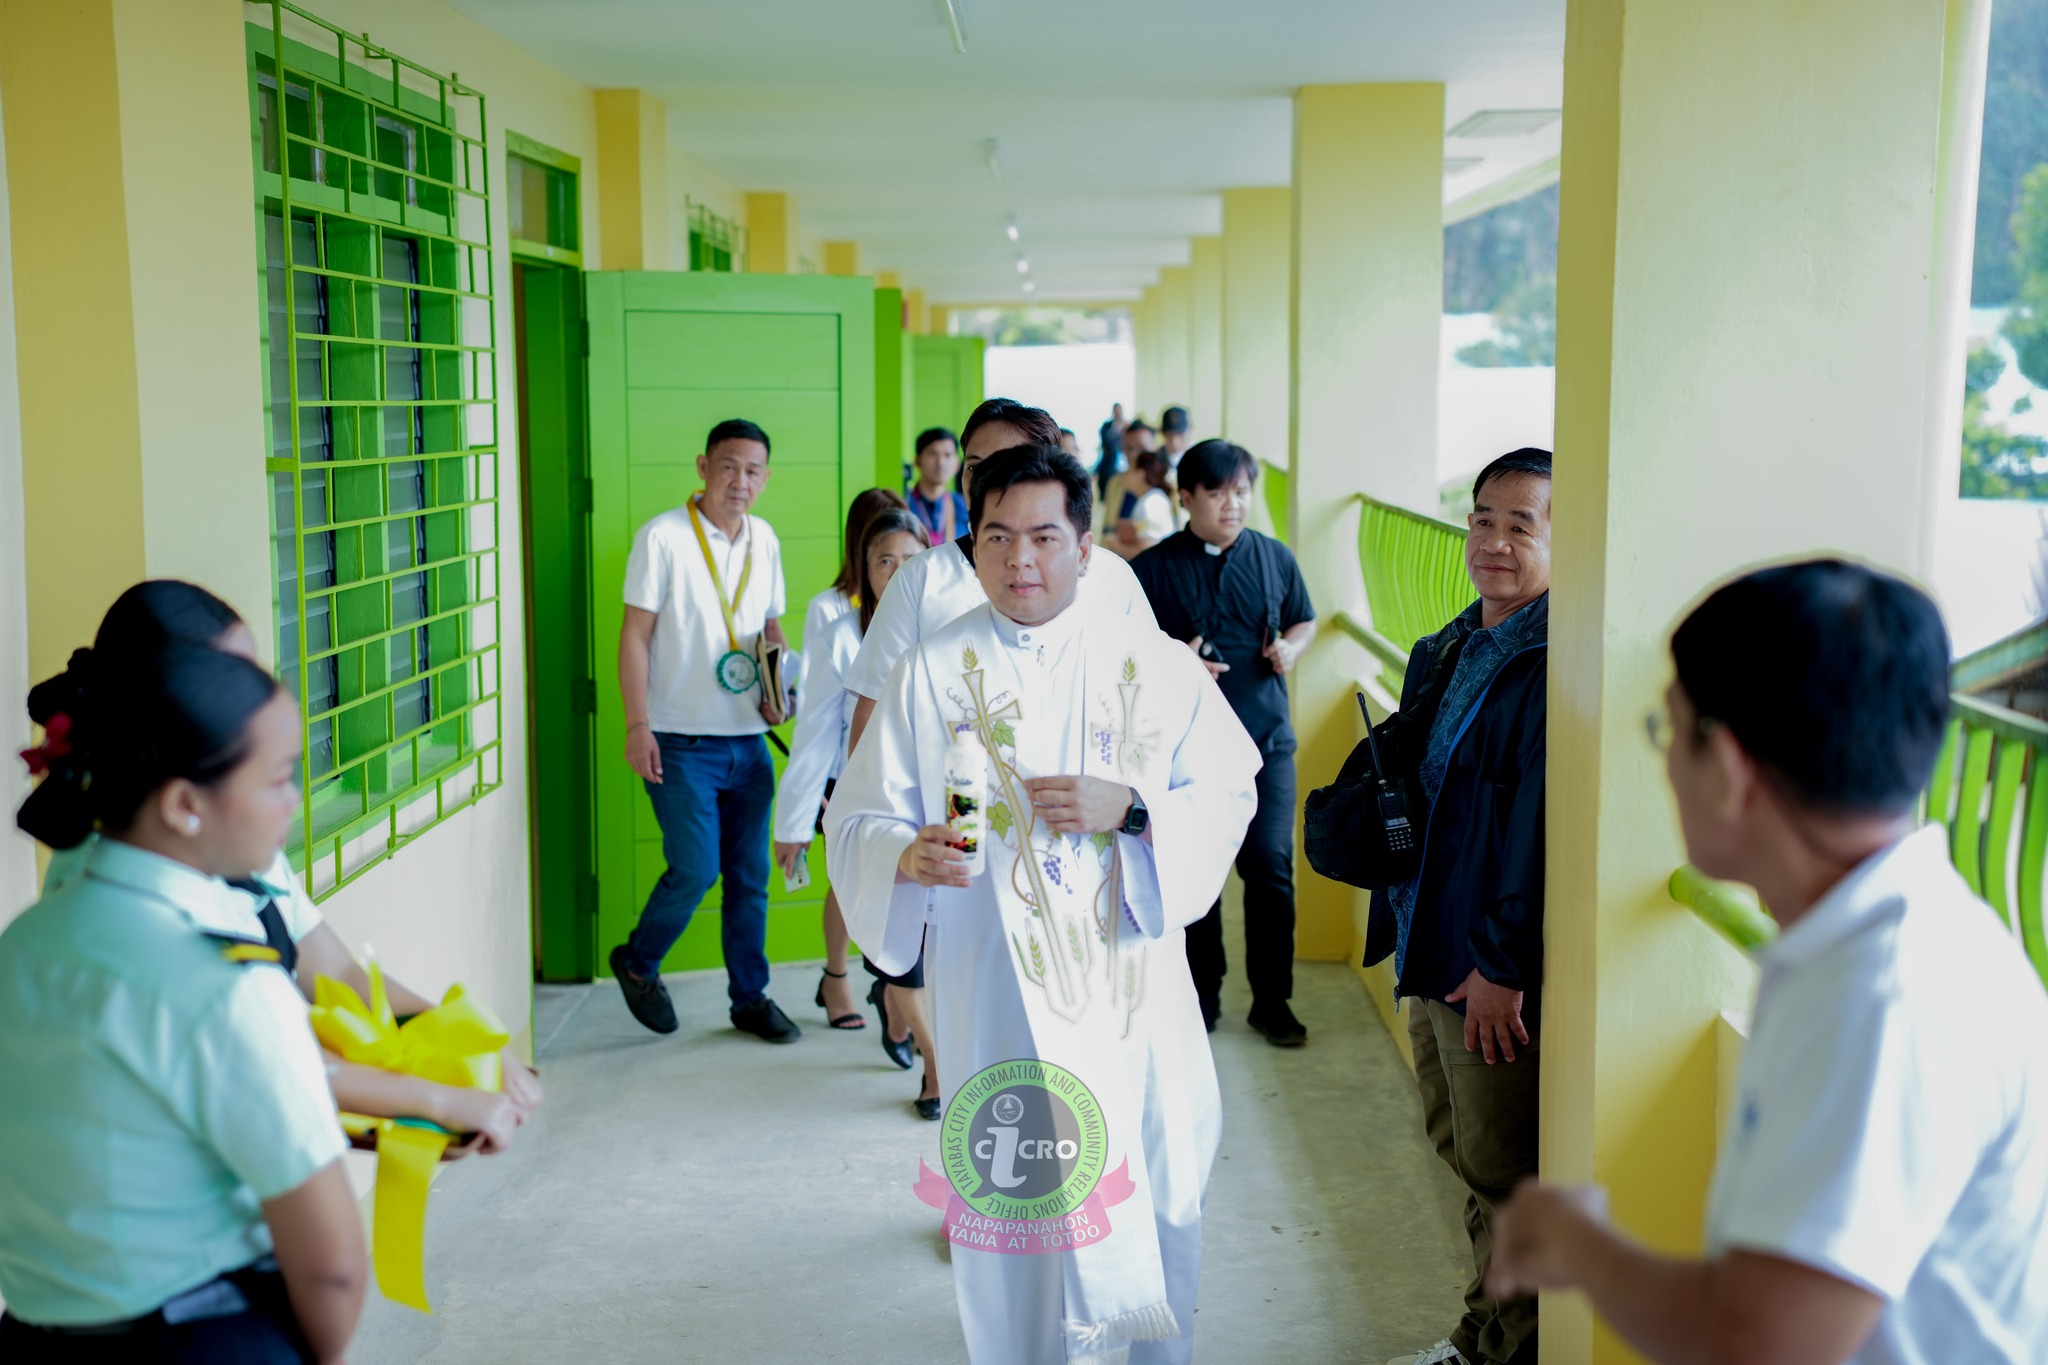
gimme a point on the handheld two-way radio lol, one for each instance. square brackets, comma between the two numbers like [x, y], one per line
[1393, 802]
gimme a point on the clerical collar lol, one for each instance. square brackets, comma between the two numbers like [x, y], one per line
[1036, 640]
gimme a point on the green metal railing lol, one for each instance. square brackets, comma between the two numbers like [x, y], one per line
[1275, 479]
[374, 214]
[1990, 789]
[1415, 581]
[1732, 910]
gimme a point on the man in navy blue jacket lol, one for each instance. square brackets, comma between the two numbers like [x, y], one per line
[1469, 925]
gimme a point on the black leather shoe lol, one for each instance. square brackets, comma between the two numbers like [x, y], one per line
[1278, 1025]
[766, 1021]
[645, 996]
[1212, 1010]
[927, 1107]
[902, 1052]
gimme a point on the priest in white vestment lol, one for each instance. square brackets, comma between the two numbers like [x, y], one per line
[1082, 1114]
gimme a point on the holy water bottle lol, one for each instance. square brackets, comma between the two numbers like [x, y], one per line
[967, 795]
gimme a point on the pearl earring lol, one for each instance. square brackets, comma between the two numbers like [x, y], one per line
[191, 824]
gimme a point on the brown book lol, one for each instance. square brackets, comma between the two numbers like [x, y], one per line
[774, 689]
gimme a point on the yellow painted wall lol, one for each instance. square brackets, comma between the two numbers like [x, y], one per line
[1258, 245]
[633, 159]
[842, 258]
[771, 234]
[888, 279]
[917, 314]
[1205, 338]
[80, 428]
[1174, 313]
[1367, 294]
[1751, 269]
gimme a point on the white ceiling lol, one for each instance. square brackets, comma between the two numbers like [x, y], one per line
[1117, 122]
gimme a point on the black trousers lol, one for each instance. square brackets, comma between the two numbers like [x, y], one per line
[1266, 863]
[263, 1333]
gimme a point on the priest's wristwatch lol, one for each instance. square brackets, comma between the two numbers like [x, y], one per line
[1136, 818]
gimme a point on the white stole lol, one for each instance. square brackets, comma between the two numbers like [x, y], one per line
[1079, 959]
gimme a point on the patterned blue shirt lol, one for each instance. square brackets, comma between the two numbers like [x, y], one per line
[1486, 651]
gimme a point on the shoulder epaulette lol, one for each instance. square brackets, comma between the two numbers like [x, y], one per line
[245, 950]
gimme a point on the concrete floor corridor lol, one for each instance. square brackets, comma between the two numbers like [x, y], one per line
[703, 1197]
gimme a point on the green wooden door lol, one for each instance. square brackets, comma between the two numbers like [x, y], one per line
[947, 384]
[893, 400]
[561, 680]
[672, 354]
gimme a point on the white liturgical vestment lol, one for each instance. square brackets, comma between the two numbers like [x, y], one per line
[1082, 1114]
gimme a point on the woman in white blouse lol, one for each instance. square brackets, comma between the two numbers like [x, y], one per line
[824, 723]
[1150, 519]
[818, 750]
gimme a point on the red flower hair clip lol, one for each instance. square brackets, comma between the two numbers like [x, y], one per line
[56, 745]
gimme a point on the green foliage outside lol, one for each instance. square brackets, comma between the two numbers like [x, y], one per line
[1996, 463]
[1504, 262]
[1527, 322]
[2015, 140]
[2026, 327]
[1489, 257]
[1042, 326]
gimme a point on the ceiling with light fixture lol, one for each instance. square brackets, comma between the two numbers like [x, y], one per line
[1068, 149]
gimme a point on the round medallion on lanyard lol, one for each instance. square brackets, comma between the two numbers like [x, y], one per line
[736, 670]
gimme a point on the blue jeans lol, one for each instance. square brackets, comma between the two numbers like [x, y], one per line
[713, 805]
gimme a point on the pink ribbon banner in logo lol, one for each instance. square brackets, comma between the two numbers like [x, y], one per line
[1025, 1237]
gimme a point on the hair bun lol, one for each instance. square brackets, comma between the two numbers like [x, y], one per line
[58, 812]
[66, 694]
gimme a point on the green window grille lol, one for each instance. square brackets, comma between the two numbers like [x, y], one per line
[542, 205]
[374, 218]
[715, 243]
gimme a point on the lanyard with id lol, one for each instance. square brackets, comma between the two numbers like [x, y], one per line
[736, 669]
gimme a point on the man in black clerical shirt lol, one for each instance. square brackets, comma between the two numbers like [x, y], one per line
[1237, 598]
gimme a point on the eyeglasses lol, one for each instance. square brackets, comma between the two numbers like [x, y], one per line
[1663, 731]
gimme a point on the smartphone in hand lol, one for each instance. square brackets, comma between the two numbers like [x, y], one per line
[799, 876]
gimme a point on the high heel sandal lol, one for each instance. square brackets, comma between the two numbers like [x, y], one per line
[899, 1052]
[850, 1023]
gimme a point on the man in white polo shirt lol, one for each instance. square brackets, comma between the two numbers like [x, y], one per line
[703, 587]
[1882, 1192]
[938, 586]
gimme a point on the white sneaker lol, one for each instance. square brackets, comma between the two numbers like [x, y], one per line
[1443, 1353]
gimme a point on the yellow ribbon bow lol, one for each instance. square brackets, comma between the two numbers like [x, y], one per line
[455, 1043]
